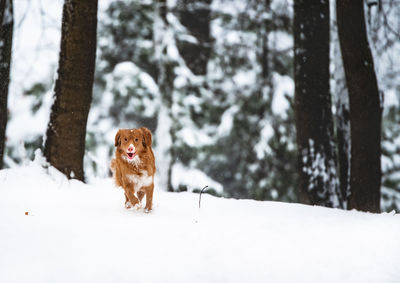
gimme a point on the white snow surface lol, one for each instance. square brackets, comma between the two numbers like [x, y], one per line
[76, 232]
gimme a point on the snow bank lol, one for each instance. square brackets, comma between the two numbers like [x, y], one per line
[81, 233]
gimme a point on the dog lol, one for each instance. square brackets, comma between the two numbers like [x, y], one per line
[134, 166]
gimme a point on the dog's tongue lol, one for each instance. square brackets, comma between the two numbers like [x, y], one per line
[130, 154]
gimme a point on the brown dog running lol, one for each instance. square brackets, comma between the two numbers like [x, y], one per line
[134, 166]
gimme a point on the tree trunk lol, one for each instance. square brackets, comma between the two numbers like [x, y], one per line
[166, 125]
[365, 107]
[313, 113]
[6, 35]
[341, 98]
[195, 16]
[265, 54]
[65, 141]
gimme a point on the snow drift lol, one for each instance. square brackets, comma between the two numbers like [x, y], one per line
[77, 232]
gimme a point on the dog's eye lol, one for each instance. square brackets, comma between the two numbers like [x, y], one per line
[136, 139]
[126, 139]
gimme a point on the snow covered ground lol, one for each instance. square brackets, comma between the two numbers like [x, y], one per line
[77, 232]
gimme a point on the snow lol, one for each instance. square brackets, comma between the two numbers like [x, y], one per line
[284, 87]
[226, 124]
[129, 69]
[164, 142]
[262, 148]
[244, 79]
[75, 232]
[281, 40]
[22, 115]
[129, 80]
[228, 6]
[36, 42]
[318, 167]
[390, 99]
[35, 50]
[193, 137]
[193, 179]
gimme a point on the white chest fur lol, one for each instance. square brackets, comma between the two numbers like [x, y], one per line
[135, 161]
[141, 181]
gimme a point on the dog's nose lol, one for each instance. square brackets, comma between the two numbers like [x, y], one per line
[130, 148]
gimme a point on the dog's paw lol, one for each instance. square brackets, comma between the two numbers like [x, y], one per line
[138, 206]
[128, 205]
[146, 210]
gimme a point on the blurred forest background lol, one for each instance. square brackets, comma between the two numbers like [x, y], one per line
[215, 82]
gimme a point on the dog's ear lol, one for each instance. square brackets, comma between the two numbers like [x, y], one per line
[118, 138]
[146, 137]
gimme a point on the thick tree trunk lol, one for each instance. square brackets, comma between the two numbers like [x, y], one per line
[365, 107]
[195, 16]
[65, 141]
[313, 113]
[6, 35]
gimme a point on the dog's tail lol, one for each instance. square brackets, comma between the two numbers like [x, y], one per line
[113, 166]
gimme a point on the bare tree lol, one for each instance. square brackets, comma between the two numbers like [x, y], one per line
[365, 106]
[313, 114]
[6, 36]
[65, 141]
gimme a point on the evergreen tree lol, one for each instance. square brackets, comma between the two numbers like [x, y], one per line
[206, 113]
[125, 93]
[127, 34]
[254, 142]
[195, 16]
[382, 20]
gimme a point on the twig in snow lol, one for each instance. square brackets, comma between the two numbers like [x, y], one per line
[202, 190]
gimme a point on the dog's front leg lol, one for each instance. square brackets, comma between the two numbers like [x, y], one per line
[140, 195]
[130, 199]
[149, 198]
[127, 202]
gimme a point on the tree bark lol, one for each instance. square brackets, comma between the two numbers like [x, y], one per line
[313, 113]
[65, 141]
[195, 16]
[6, 36]
[341, 98]
[365, 107]
[166, 128]
[265, 54]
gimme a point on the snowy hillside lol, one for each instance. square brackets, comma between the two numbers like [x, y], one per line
[82, 233]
